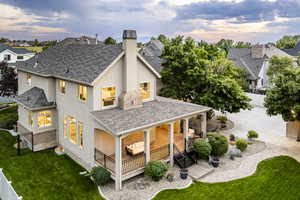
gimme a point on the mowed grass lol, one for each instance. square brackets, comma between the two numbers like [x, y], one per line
[36, 49]
[44, 175]
[275, 179]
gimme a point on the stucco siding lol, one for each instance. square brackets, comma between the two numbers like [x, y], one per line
[47, 84]
[145, 75]
[69, 104]
[112, 78]
[23, 117]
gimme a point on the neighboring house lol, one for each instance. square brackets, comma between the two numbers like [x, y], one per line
[98, 103]
[14, 55]
[255, 60]
[80, 40]
[293, 51]
[21, 44]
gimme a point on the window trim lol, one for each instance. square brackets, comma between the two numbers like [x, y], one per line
[101, 98]
[150, 93]
[78, 93]
[29, 79]
[80, 137]
[68, 130]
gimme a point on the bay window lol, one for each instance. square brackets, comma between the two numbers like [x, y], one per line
[108, 96]
[44, 119]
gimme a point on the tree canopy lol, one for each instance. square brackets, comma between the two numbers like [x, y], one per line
[283, 98]
[200, 73]
[278, 65]
[288, 41]
[110, 41]
[8, 81]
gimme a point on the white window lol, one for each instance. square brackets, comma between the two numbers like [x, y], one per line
[62, 86]
[145, 90]
[108, 96]
[82, 92]
[28, 78]
[73, 130]
[44, 119]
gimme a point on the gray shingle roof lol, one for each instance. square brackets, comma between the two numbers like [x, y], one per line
[242, 58]
[293, 51]
[151, 53]
[77, 62]
[34, 98]
[159, 111]
[15, 50]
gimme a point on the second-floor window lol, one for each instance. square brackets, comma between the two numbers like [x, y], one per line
[145, 90]
[44, 119]
[108, 96]
[82, 92]
[28, 78]
[7, 57]
[62, 86]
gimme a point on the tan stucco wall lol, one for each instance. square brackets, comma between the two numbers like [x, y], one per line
[47, 84]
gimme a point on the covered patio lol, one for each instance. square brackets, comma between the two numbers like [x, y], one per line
[131, 138]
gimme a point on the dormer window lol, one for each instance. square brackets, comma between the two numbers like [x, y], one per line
[108, 96]
[28, 77]
[82, 92]
[145, 90]
[62, 86]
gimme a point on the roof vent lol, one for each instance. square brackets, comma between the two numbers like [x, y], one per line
[36, 64]
[68, 70]
[28, 98]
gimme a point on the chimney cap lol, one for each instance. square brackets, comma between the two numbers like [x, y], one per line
[129, 34]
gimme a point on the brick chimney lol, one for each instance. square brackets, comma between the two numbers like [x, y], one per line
[258, 51]
[130, 97]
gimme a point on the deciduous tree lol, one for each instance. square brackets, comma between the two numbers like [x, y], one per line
[8, 80]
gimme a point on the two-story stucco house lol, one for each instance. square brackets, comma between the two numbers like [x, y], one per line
[14, 55]
[98, 103]
[255, 60]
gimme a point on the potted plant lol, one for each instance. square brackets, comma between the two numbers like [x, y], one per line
[184, 173]
[215, 161]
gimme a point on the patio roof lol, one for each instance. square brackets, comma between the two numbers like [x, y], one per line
[161, 110]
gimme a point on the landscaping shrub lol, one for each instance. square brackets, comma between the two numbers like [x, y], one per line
[252, 134]
[223, 119]
[156, 170]
[219, 144]
[202, 148]
[100, 175]
[241, 144]
[9, 117]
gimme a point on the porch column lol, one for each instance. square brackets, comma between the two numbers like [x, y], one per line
[118, 163]
[147, 144]
[203, 124]
[171, 143]
[186, 133]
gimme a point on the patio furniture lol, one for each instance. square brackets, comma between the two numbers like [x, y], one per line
[135, 148]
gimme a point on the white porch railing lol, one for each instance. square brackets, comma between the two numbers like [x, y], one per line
[7, 192]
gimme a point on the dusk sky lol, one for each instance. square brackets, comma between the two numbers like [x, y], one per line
[246, 20]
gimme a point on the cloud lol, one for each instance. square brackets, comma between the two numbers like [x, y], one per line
[250, 20]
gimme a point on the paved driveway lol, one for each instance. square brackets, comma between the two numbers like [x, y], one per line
[269, 128]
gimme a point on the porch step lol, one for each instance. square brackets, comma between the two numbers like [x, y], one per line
[197, 172]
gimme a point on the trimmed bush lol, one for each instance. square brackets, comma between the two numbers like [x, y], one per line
[156, 170]
[202, 148]
[223, 119]
[241, 144]
[100, 175]
[219, 144]
[252, 134]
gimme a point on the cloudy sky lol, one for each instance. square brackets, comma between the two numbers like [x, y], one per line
[247, 20]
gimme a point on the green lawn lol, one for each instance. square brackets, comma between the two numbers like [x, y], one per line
[44, 175]
[276, 179]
